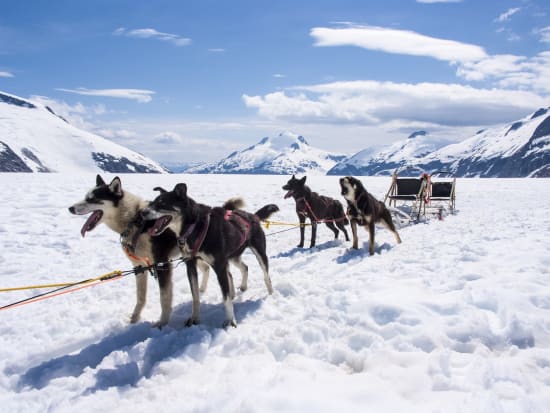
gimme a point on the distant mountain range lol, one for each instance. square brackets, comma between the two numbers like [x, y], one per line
[518, 149]
[34, 139]
[283, 154]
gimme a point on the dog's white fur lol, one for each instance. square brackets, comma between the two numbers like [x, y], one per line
[117, 218]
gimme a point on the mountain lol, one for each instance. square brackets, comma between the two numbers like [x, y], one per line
[34, 139]
[284, 154]
[517, 149]
[383, 162]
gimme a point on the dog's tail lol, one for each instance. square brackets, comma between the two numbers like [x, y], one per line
[266, 211]
[234, 203]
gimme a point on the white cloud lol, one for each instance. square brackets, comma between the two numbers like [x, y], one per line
[511, 71]
[116, 134]
[6, 74]
[77, 115]
[216, 50]
[168, 138]
[141, 95]
[377, 103]
[544, 34]
[149, 33]
[397, 41]
[504, 17]
[278, 75]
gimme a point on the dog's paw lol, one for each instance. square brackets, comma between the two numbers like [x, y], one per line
[159, 324]
[191, 322]
[229, 323]
[134, 318]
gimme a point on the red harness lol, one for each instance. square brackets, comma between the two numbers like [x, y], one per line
[317, 220]
[182, 240]
[245, 227]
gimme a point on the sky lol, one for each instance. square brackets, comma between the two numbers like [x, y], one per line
[191, 81]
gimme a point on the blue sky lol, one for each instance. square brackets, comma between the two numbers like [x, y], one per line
[189, 81]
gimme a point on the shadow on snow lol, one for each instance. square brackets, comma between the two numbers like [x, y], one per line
[170, 342]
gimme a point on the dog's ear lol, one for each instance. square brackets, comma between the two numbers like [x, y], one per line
[181, 190]
[160, 189]
[116, 186]
[303, 180]
[99, 180]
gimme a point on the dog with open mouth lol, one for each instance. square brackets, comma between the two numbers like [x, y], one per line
[119, 210]
[215, 235]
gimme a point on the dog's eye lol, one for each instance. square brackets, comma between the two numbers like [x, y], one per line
[93, 200]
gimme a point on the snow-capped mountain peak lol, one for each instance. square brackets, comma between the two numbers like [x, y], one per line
[33, 138]
[516, 149]
[285, 153]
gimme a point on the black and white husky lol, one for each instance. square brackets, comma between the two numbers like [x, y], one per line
[365, 209]
[215, 235]
[119, 210]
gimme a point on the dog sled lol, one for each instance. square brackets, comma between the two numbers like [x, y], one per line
[414, 199]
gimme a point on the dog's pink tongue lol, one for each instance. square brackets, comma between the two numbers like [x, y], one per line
[288, 194]
[91, 222]
[157, 226]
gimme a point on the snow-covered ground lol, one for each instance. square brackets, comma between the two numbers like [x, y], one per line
[454, 319]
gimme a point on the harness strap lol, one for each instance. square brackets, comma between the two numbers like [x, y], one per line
[317, 220]
[134, 257]
[244, 231]
[182, 240]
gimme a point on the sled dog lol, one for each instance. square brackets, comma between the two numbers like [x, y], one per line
[215, 235]
[364, 209]
[119, 210]
[317, 208]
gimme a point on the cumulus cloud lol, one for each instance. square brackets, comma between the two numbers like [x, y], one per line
[6, 74]
[78, 115]
[511, 71]
[168, 138]
[397, 41]
[376, 103]
[506, 16]
[149, 33]
[140, 95]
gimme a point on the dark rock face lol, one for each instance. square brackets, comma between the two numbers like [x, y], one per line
[10, 162]
[110, 163]
[11, 100]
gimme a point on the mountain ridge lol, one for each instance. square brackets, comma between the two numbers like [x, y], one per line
[33, 138]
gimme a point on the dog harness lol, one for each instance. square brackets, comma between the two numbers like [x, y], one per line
[182, 240]
[304, 212]
[244, 227]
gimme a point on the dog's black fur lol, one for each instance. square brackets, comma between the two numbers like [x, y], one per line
[119, 210]
[364, 209]
[212, 234]
[317, 208]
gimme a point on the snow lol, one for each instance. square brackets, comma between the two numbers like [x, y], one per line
[454, 319]
[281, 154]
[58, 145]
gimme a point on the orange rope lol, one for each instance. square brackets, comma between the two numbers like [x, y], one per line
[60, 293]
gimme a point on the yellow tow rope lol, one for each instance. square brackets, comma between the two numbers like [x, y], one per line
[267, 224]
[91, 280]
